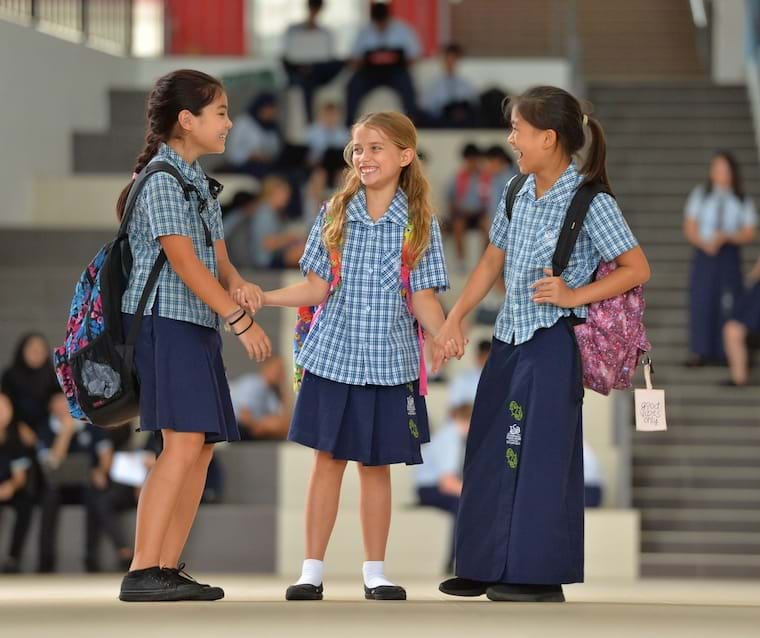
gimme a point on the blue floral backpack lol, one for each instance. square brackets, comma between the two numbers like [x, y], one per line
[95, 365]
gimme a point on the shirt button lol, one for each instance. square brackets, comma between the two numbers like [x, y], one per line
[515, 306]
[369, 308]
[370, 270]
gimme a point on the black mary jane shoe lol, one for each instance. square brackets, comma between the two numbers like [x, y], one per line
[385, 592]
[526, 593]
[463, 587]
[305, 591]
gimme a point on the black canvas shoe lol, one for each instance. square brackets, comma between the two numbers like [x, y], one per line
[153, 584]
[201, 591]
[463, 587]
[304, 591]
[526, 593]
[385, 592]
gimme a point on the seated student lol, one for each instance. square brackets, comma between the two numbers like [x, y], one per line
[309, 56]
[468, 197]
[499, 168]
[75, 458]
[258, 399]
[439, 478]
[382, 55]
[451, 101]
[14, 495]
[237, 228]
[745, 323]
[255, 143]
[327, 133]
[272, 246]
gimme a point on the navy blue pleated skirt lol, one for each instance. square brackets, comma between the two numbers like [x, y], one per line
[370, 424]
[748, 309]
[183, 384]
[520, 518]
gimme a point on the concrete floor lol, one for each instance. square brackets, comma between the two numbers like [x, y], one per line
[85, 606]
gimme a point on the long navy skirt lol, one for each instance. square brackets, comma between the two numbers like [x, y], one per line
[714, 286]
[748, 309]
[520, 517]
[183, 384]
[370, 424]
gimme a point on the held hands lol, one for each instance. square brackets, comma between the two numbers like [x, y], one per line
[248, 296]
[449, 342]
[553, 290]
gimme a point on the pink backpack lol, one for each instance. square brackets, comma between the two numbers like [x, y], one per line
[613, 338]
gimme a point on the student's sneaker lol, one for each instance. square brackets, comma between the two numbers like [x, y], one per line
[463, 587]
[202, 591]
[154, 584]
[385, 592]
[526, 593]
[304, 591]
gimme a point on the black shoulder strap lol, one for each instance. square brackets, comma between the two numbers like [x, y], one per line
[514, 187]
[571, 227]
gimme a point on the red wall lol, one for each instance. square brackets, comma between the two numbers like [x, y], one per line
[205, 27]
[423, 16]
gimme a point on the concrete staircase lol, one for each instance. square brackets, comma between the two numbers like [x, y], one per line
[697, 485]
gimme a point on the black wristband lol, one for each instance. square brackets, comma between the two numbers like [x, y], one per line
[242, 314]
[246, 329]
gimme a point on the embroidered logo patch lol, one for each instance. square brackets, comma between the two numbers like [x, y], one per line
[411, 409]
[511, 459]
[515, 409]
[514, 436]
[413, 429]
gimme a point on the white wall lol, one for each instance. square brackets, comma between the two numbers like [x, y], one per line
[728, 35]
[49, 88]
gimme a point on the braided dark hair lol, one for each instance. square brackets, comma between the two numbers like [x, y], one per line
[174, 92]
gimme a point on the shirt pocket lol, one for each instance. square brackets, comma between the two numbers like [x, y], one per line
[545, 243]
[390, 272]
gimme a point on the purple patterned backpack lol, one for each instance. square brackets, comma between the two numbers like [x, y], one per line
[95, 365]
[613, 338]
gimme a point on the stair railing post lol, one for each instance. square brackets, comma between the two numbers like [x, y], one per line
[573, 48]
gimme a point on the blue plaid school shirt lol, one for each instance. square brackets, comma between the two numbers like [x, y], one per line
[161, 209]
[365, 335]
[529, 241]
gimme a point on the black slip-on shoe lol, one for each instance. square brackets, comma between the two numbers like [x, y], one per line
[463, 587]
[385, 592]
[199, 591]
[526, 593]
[152, 585]
[304, 591]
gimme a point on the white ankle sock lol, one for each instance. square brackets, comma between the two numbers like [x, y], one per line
[372, 570]
[311, 572]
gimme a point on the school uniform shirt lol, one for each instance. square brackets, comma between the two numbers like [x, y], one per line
[719, 210]
[264, 222]
[161, 209]
[469, 192]
[449, 89]
[250, 392]
[444, 455]
[529, 241]
[87, 439]
[498, 186]
[304, 44]
[365, 334]
[396, 35]
[319, 138]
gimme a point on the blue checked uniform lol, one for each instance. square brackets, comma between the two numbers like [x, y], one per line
[365, 334]
[529, 241]
[161, 209]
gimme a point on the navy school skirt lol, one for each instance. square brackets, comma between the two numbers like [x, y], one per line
[748, 309]
[370, 424]
[183, 384]
[520, 517]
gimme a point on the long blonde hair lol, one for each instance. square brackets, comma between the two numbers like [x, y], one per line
[400, 131]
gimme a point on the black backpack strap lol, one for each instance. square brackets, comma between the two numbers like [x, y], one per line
[514, 187]
[571, 227]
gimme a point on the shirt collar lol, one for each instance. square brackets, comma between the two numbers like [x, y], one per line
[565, 185]
[189, 171]
[397, 212]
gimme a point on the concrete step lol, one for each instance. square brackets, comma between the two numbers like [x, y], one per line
[736, 520]
[656, 111]
[698, 542]
[707, 566]
[669, 157]
[703, 140]
[625, 124]
[673, 93]
[709, 498]
[696, 455]
[653, 169]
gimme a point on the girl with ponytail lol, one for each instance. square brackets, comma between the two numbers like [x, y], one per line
[374, 260]
[519, 532]
[183, 387]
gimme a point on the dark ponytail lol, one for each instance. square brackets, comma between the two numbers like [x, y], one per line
[173, 93]
[552, 108]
